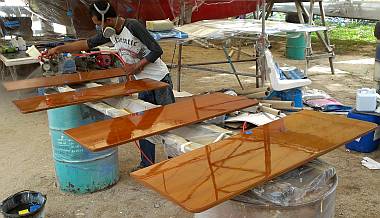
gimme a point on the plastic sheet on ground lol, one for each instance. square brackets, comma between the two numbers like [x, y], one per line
[320, 100]
[300, 186]
[311, 94]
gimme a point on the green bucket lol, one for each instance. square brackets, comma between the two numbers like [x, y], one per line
[295, 46]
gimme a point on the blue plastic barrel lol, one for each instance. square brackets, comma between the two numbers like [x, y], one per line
[77, 169]
[295, 46]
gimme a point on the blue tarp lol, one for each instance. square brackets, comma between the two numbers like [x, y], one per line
[158, 35]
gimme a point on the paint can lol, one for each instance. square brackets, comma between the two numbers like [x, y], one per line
[308, 191]
[77, 169]
[29, 204]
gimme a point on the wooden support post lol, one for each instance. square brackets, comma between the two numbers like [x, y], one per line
[322, 10]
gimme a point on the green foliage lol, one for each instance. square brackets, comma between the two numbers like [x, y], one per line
[351, 36]
[354, 32]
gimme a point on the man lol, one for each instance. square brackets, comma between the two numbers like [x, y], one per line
[138, 49]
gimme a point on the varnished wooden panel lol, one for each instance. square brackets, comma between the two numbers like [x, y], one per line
[46, 102]
[63, 79]
[109, 133]
[205, 177]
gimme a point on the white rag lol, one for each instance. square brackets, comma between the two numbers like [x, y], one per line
[370, 163]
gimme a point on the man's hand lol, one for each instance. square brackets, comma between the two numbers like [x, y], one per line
[52, 52]
[131, 69]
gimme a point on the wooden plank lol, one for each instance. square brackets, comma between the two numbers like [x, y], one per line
[63, 79]
[47, 102]
[109, 133]
[205, 177]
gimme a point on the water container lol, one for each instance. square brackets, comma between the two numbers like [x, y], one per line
[77, 169]
[366, 99]
[295, 46]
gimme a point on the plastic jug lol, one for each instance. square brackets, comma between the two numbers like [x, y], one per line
[14, 43]
[366, 99]
[21, 44]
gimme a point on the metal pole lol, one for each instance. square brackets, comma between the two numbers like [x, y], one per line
[263, 6]
[181, 22]
[218, 71]
[263, 38]
[257, 74]
[309, 50]
[179, 67]
[218, 62]
[232, 65]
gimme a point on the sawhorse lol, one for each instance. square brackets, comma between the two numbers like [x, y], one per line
[323, 37]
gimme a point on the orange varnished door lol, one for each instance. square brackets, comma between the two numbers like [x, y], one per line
[207, 176]
[114, 132]
[56, 100]
[64, 79]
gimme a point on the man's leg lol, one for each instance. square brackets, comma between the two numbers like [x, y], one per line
[147, 147]
[165, 96]
[149, 150]
[158, 97]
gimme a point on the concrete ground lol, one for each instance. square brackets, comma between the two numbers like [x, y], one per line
[26, 156]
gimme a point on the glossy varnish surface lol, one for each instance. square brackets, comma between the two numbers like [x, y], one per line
[109, 133]
[205, 177]
[63, 79]
[46, 102]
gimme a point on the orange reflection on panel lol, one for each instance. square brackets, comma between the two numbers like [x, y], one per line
[205, 177]
[109, 133]
[46, 102]
[63, 79]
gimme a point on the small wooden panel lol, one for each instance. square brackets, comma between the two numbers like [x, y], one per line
[205, 177]
[109, 133]
[63, 79]
[47, 102]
